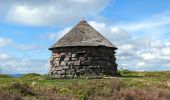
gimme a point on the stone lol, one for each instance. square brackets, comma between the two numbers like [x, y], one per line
[59, 72]
[56, 59]
[63, 63]
[56, 63]
[63, 71]
[65, 67]
[69, 53]
[87, 54]
[56, 55]
[68, 56]
[81, 52]
[94, 54]
[58, 76]
[62, 53]
[86, 62]
[70, 63]
[73, 55]
[82, 71]
[76, 67]
[77, 62]
[94, 62]
[101, 62]
[73, 59]
[54, 72]
[90, 58]
[106, 58]
[58, 68]
[114, 58]
[66, 59]
[82, 58]
[96, 58]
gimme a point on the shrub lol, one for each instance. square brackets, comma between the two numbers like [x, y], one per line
[30, 75]
[23, 89]
[7, 96]
[58, 97]
[135, 94]
[118, 73]
[124, 71]
[158, 74]
[53, 93]
[49, 77]
[98, 87]
[152, 74]
[5, 76]
[143, 94]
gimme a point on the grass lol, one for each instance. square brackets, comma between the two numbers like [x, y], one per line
[130, 85]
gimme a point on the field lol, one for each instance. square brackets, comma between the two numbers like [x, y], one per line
[129, 86]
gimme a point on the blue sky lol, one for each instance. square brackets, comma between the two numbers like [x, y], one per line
[139, 28]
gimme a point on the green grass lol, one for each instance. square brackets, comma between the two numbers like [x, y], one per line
[83, 89]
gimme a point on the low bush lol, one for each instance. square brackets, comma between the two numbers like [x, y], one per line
[23, 89]
[135, 94]
[49, 77]
[98, 87]
[5, 76]
[124, 71]
[58, 97]
[7, 96]
[158, 74]
[30, 75]
[143, 94]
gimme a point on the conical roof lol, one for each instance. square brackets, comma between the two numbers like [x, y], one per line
[82, 35]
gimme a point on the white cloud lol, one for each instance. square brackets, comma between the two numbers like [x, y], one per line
[150, 23]
[53, 12]
[158, 44]
[5, 41]
[126, 47]
[166, 51]
[101, 27]
[148, 56]
[23, 47]
[56, 36]
[13, 65]
[27, 47]
[140, 64]
[14, 59]
[4, 56]
[167, 44]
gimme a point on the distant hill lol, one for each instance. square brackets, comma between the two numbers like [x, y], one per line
[16, 75]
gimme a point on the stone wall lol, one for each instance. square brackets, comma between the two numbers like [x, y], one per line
[74, 61]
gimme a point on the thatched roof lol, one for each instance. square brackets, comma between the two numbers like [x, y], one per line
[82, 35]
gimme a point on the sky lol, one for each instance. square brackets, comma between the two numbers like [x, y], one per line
[139, 28]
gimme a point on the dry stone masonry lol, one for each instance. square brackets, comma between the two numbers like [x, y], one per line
[87, 59]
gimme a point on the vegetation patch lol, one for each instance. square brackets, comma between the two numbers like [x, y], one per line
[129, 86]
[5, 76]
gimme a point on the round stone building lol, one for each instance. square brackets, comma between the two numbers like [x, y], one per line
[82, 52]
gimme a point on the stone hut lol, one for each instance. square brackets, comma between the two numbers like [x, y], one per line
[82, 52]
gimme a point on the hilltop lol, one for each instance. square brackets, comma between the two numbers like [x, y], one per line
[130, 85]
